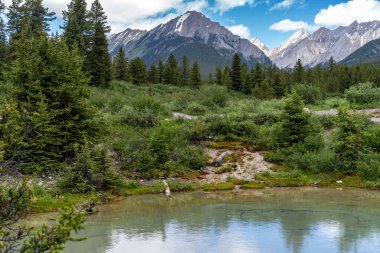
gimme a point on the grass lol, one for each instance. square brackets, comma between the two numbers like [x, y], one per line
[223, 186]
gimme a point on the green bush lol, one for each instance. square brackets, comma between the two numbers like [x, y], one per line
[327, 121]
[372, 138]
[363, 93]
[309, 94]
[214, 95]
[369, 167]
[116, 103]
[195, 108]
[144, 103]
[318, 162]
[144, 118]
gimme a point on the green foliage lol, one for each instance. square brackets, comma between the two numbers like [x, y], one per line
[121, 66]
[236, 73]
[137, 71]
[196, 79]
[310, 94]
[171, 75]
[50, 93]
[91, 172]
[369, 166]
[214, 95]
[350, 144]
[364, 93]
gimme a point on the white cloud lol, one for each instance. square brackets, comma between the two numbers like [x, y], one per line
[287, 25]
[141, 14]
[346, 13]
[225, 5]
[240, 30]
[283, 5]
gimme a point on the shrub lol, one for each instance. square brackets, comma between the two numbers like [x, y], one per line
[363, 93]
[195, 108]
[309, 94]
[144, 118]
[214, 95]
[327, 121]
[372, 138]
[369, 167]
[116, 103]
[143, 103]
[320, 162]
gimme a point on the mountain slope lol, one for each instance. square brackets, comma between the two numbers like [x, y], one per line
[196, 36]
[324, 43]
[369, 53]
[258, 43]
[124, 39]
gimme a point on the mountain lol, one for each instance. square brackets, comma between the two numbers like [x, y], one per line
[324, 43]
[369, 53]
[124, 39]
[294, 39]
[191, 34]
[258, 43]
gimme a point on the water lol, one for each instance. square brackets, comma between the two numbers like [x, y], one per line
[272, 220]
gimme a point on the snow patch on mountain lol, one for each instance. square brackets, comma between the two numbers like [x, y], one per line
[258, 43]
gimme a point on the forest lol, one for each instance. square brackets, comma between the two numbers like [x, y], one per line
[77, 125]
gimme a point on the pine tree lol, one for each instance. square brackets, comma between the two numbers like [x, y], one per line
[264, 90]
[161, 71]
[171, 71]
[38, 17]
[278, 86]
[16, 17]
[153, 74]
[98, 60]
[210, 79]
[299, 72]
[50, 92]
[257, 75]
[121, 66]
[137, 71]
[185, 71]
[236, 73]
[76, 25]
[227, 77]
[3, 38]
[196, 79]
[247, 88]
[219, 76]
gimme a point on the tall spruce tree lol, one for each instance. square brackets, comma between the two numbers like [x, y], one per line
[121, 66]
[153, 74]
[299, 72]
[98, 59]
[3, 38]
[171, 71]
[196, 79]
[257, 75]
[219, 75]
[38, 17]
[185, 71]
[76, 25]
[236, 73]
[137, 71]
[50, 93]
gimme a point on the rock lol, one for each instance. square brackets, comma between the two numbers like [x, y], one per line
[220, 159]
[339, 182]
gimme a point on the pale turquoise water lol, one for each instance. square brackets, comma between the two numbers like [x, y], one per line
[273, 220]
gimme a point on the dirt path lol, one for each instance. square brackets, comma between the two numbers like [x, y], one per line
[240, 163]
[374, 113]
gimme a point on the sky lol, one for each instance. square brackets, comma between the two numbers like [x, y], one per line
[272, 21]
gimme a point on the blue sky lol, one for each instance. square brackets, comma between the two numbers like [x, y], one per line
[272, 21]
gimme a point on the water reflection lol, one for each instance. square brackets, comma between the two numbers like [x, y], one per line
[286, 220]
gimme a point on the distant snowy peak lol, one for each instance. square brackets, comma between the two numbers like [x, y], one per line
[294, 39]
[122, 39]
[258, 43]
[180, 21]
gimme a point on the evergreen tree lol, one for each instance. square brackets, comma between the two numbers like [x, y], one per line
[296, 125]
[298, 72]
[247, 88]
[210, 79]
[137, 71]
[185, 71]
[227, 77]
[121, 66]
[257, 75]
[3, 37]
[171, 71]
[50, 93]
[278, 87]
[38, 17]
[76, 25]
[98, 60]
[236, 73]
[196, 79]
[264, 91]
[161, 71]
[153, 74]
[219, 76]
